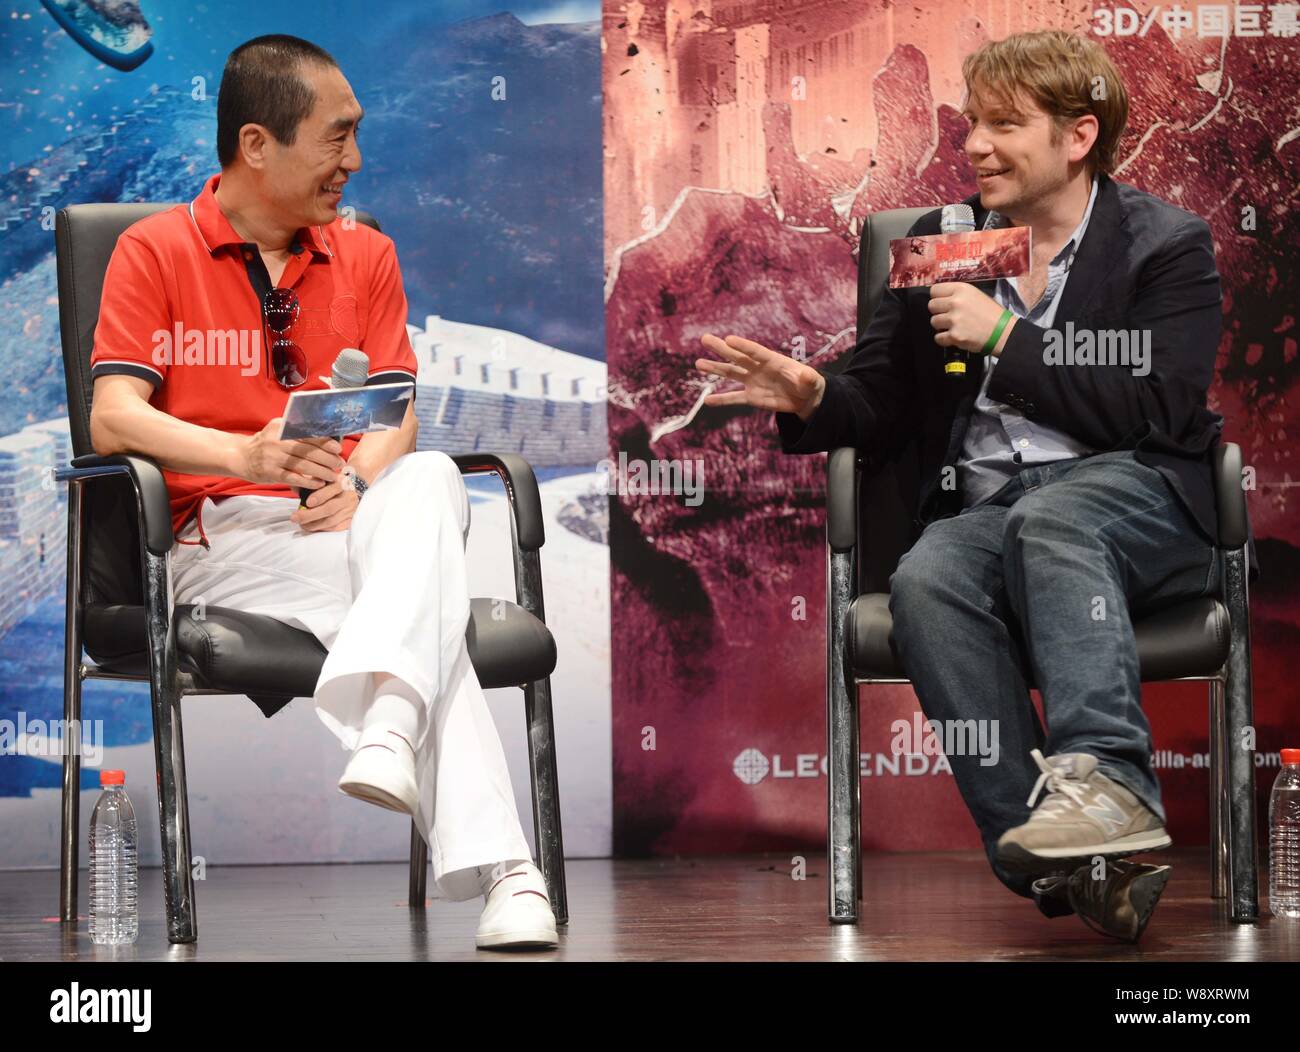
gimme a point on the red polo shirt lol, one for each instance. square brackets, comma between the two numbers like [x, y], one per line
[181, 309]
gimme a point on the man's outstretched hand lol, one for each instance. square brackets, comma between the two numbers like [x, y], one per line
[771, 380]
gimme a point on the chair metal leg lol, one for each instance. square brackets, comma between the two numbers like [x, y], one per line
[546, 794]
[1240, 743]
[540, 718]
[70, 831]
[855, 724]
[842, 763]
[419, 867]
[169, 753]
[1219, 859]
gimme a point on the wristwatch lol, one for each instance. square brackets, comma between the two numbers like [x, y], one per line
[358, 483]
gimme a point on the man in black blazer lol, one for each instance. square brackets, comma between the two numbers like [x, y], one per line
[1064, 479]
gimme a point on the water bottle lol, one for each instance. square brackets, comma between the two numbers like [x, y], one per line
[114, 873]
[1284, 838]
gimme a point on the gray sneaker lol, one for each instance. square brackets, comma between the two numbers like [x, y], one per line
[1084, 815]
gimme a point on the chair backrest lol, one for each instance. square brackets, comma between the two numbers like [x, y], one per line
[889, 486]
[85, 236]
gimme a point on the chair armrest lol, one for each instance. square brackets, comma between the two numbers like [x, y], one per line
[842, 499]
[1230, 496]
[522, 494]
[150, 487]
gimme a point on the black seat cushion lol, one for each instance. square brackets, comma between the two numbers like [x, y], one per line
[1187, 639]
[273, 663]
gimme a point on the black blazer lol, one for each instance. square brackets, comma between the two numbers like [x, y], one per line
[1143, 264]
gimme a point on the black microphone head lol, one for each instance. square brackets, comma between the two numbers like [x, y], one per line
[351, 368]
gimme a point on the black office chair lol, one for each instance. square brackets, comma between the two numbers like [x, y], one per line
[119, 607]
[1202, 639]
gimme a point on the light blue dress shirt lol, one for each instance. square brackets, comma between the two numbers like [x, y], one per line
[999, 440]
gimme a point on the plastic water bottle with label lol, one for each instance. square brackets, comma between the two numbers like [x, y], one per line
[114, 872]
[1284, 838]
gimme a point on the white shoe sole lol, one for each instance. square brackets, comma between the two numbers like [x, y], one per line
[499, 940]
[1014, 856]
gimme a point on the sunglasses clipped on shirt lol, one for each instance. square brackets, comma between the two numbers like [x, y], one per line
[280, 311]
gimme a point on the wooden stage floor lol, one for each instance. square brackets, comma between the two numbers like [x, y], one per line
[918, 907]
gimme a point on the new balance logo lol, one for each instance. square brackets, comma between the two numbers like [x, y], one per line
[1107, 812]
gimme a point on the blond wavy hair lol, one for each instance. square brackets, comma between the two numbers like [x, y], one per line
[1067, 75]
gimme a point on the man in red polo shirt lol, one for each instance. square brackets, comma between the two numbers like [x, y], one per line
[211, 314]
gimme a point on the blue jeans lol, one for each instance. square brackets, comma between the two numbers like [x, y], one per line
[1042, 577]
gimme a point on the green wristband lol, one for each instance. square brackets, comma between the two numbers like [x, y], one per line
[997, 331]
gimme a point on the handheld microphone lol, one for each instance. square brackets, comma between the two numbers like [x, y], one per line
[956, 219]
[351, 369]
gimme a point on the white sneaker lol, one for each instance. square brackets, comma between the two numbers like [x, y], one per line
[517, 910]
[382, 771]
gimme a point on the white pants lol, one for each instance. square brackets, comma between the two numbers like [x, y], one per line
[389, 594]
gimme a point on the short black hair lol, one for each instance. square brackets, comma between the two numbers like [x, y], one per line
[262, 84]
